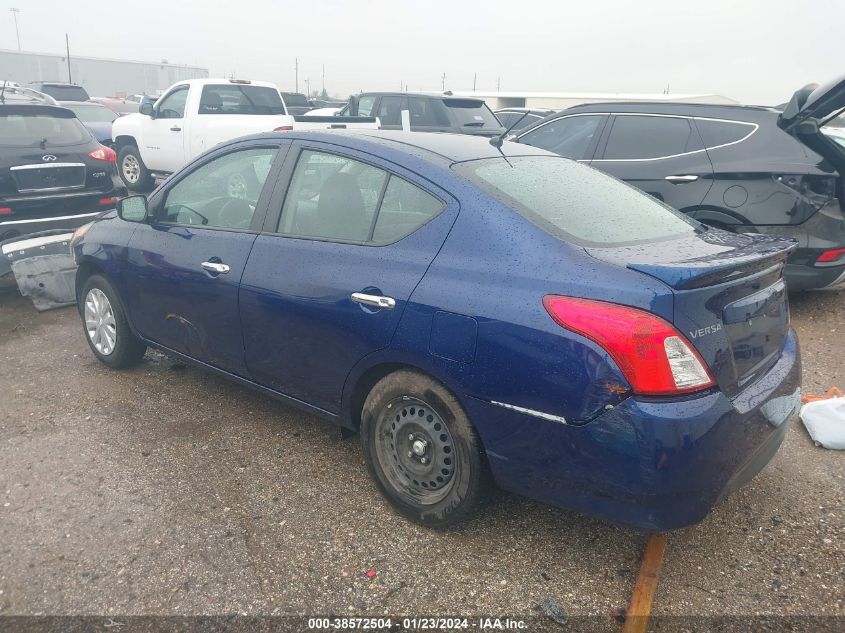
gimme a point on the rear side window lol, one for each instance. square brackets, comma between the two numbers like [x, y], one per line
[470, 113]
[715, 133]
[568, 136]
[338, 198]
[574, 202]
[646, 137]
[40, 130]
[240, 99]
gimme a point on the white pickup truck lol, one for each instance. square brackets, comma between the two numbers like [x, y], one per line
[195, 115]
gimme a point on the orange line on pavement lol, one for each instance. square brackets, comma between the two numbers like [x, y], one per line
[636, 619]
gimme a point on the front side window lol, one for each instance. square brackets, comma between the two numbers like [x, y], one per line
[365, 105]
[574, 202]
[568, 136]
[336, 198]
[172, 106]
[222, 193]
[644, 137]
[240, 99]
[390, 111]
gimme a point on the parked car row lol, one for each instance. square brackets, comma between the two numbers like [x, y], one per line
[743, 169]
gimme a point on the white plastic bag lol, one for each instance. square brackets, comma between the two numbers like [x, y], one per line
[825, 421]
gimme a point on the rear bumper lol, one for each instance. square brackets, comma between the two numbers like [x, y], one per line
[37, 213]
[652, 464]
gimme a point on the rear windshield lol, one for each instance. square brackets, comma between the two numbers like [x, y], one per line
[92, 113]
[40, 130]
[472, 113]
[65, 93]
[576, 203]
[296, 99]
[240, 99]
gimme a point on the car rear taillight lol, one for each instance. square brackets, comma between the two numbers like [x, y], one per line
[654, 357]
[283, 128]
[6, 211]
[831, 256]
[103, 153]
[108, 201]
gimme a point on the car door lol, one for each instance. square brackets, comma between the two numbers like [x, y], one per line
[326, 283]
[185, 264]
[662, 155]
[163, 137]
[574, 136]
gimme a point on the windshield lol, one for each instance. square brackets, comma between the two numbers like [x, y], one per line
[472, 113]
[27, 129]
[65, 93]
[574, 202]
[92, 113]
[295, 99]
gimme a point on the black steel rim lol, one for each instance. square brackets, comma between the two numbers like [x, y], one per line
[415, 450]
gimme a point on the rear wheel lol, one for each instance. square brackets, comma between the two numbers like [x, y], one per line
[133, 172]
[422, 451]
[106, 329]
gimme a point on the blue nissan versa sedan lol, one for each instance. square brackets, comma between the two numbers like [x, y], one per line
[471, 310]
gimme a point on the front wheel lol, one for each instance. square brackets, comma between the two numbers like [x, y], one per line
[106, 329]
[133, 172]
[422, 451]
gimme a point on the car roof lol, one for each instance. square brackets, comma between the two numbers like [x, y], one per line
[427, 95]
[443, 148]
[667, 107]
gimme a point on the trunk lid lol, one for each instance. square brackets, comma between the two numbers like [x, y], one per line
[729, 297]
[809, 110]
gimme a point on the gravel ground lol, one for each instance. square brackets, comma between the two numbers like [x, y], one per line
[165, 490]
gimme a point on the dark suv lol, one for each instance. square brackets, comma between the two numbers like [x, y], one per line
[53, 173]
[427, 112]
[739, 168]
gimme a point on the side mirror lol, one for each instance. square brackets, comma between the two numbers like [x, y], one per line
[132, 209]
[146, 108]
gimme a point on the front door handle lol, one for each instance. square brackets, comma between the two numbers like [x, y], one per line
[175, 128]
[376, 301]
[679, 180]
[215, 267]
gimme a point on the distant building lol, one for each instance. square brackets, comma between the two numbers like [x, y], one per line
[562, 100]
[100, 77]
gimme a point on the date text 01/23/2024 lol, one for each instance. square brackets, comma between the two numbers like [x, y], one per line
[415, 624]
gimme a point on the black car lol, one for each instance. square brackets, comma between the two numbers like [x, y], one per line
[296, 103]
[427, 112]
[53, 173]
[739, 168]
[96, 117]
[61, 91]
[516, 119]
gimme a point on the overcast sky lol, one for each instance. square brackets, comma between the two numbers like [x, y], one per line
[755, 51]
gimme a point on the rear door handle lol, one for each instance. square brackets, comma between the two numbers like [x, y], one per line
[215, 267]
[679, 180]
[376, 301]
[175, 128]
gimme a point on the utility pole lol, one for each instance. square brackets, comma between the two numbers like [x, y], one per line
[67, 47]
[296, 70]
[324, 78]
[443, 81]
[499, 84]
[308, 88]
[18, 33]
[474, 77]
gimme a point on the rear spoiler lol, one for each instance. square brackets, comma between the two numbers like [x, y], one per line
[715, 269]
[338, 122]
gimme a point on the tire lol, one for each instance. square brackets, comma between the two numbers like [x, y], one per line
[133, 172]
[105, 326]
[422, 451]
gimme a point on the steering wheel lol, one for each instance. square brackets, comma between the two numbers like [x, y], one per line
[203, 219]
[236, 213]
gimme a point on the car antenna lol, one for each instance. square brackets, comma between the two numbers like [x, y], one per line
[497, 141]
